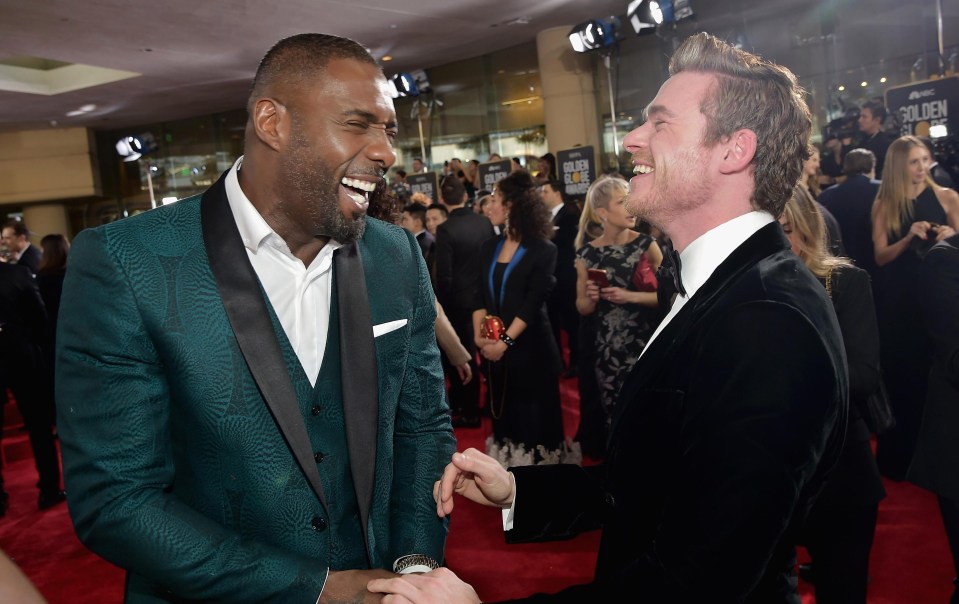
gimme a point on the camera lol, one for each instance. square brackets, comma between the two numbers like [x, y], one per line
[844, 126]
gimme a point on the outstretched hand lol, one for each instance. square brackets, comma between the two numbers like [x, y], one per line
[476, 476]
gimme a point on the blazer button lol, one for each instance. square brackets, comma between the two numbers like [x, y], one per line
[318, 524]
[315, 410]
[318, 457]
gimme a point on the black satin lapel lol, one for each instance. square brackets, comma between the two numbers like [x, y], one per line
[243, 300]
[358, 370]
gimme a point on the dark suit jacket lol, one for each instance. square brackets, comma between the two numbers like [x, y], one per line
[425, 241]
[457, 249]
[851, 203]
[525, 292]
[188, 457]
[565, 227]
[23, 320]
[723, 432]
[935, 464]
[31, 259]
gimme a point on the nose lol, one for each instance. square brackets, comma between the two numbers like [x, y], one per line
[380, 148]
[637, 138]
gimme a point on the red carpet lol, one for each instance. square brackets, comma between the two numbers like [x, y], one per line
[910, 559]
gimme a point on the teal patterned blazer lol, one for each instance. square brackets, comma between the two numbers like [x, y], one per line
[188, 445]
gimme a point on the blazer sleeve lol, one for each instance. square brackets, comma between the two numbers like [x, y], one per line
[938, 296]
[113, 398]
[860, 333]
[423, 441]
[541, 280]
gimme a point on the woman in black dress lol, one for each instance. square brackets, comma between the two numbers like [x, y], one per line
[516, 278]
[624, 321]
[839, 528]
[50, 276]
[909, 215]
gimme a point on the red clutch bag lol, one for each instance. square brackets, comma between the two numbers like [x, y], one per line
[492, 327]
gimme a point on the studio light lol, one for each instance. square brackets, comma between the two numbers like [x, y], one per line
[593, 35]
[646, 15]
[403, 85]
[131, 148]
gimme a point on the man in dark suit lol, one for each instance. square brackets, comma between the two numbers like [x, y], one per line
[251, 403]
[414, 221]
[23, 324]
[14, 237]
[851, 203]
[730, 419]
[562, 301]
[872, 115]
[457, 250]
[935, 464]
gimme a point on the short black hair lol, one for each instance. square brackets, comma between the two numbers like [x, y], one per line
[416, 210]
[301, 59]
[876, 108]
[401, 173]
[438, 206]
[452, 191]
[18, 226]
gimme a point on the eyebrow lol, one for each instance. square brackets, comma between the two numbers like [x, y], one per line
[366, 115]
[657, 110]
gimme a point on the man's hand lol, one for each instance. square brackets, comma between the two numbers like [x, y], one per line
[350, 586]
[476, 476]
[465, 372]
[439, 586]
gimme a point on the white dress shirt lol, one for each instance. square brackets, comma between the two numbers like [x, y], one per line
[704, 255]
[300, 294]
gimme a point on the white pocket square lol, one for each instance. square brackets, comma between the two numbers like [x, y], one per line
[387, 327]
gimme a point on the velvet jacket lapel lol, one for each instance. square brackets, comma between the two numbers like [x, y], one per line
[359, 375]
[764, 242]
[243, 300]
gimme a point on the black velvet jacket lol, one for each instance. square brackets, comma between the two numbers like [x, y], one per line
[723, 433]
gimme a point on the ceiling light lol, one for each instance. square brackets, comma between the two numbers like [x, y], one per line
[387, 58]
[882, 80]
[841, 88]
[864, 83]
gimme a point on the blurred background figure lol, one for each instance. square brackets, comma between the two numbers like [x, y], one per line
[546, 169]
[809, 186]
[436, 214]
[839, 529]
[399, 187]
[414, 221]
[21, 251]
[935, 464]
[515, 280]
[624, 321]
[909, 215]
[564, 221]
[939, 174]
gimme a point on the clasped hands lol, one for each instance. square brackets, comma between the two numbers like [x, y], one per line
[491, 350]
[479, 478]
[616, 295]
[921, 230]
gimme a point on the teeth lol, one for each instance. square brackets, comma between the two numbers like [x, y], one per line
[362, 185]
[642, 169]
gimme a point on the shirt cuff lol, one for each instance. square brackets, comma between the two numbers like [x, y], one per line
[508, 512]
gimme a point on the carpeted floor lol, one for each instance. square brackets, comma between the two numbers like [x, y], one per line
[910, 559]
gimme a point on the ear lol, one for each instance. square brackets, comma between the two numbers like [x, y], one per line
[603, 213]
[271, 122]
[738, 151]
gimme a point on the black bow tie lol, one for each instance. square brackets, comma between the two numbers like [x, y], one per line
[672, 268]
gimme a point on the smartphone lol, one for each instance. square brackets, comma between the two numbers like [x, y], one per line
[598, 276]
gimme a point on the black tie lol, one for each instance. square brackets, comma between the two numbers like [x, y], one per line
[672, 268]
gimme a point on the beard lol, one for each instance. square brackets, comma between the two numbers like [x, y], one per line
[316, 188]
[679, 186]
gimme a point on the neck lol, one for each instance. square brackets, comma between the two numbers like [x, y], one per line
[918, 189]
[615, 235]
[688, 227]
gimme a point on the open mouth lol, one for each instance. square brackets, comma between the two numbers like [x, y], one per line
[358, 191]
[643, 169]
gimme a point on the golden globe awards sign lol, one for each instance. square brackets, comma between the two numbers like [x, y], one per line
[923, 105]
[426, 183]
[577, 170]
[493, 172]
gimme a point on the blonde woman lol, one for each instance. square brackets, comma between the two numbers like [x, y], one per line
[839, 529]
[623, 323]
[909, 215]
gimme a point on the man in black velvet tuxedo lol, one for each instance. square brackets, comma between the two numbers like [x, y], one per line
[728, 422]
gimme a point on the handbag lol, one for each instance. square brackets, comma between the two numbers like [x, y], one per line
[877, 412]
[644, 277]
